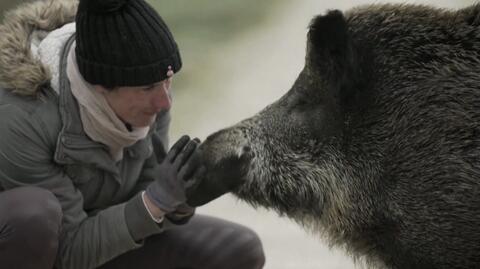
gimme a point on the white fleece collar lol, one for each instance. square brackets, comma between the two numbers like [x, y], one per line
[50, 48]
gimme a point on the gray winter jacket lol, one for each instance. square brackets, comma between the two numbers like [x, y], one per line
[42, 143]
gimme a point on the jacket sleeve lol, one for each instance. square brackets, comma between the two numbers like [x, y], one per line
[26, 158]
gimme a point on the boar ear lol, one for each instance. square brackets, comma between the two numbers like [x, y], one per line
[328, 35]
[331, 52]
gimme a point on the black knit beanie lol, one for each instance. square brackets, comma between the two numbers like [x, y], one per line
[123, 43]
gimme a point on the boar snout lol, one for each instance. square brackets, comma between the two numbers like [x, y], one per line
[227, 164]
[226, 147]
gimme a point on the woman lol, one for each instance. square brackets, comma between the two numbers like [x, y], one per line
[85, 178]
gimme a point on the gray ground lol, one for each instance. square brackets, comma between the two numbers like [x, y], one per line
[250, 72]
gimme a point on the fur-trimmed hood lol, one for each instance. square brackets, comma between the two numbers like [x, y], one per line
[20, 70]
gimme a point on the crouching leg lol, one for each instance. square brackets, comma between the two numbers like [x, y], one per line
[204, 242]
[30, 220]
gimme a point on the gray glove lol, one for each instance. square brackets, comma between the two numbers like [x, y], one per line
[174, 175]
[182, 215]
[224, 177]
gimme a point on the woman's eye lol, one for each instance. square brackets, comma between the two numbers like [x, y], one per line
[149, 88]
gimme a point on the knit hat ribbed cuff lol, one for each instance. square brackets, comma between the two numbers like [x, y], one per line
[117, 76]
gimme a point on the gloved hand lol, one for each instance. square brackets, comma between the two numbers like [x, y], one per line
[174, 175]
[224, 177]
[181, 215]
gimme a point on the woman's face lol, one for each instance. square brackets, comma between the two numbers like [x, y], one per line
[139, 106]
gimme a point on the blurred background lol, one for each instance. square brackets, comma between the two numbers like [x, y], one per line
[239, 56]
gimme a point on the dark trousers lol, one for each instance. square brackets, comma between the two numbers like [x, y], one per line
[30, 220]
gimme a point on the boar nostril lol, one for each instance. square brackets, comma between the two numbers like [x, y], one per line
[246, 149]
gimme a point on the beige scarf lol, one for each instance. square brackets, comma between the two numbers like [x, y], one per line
[100, 122]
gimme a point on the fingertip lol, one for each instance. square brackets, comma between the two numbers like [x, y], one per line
[178, 147]
[183, 141]
[185, 138]
[191, 146]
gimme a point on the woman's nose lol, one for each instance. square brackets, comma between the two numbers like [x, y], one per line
[162, 99]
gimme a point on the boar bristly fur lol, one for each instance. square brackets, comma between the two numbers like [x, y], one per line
[377, 144]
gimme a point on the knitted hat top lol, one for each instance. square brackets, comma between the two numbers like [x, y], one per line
[123, 43]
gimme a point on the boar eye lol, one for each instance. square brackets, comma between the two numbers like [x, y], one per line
[300, 100]
[307, 99]
[304, 103]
